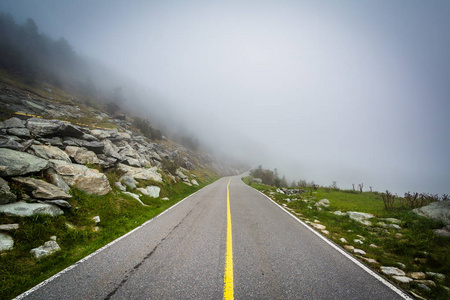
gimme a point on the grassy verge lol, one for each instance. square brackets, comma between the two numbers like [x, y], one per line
[77, 234]
[413, 248]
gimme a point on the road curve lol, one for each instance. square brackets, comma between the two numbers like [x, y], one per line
[181, 255]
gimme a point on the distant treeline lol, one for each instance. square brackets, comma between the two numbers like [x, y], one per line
[269, 177]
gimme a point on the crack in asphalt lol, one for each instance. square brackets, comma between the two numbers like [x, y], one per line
[131, 271]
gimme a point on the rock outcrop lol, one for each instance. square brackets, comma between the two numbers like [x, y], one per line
[438, 211]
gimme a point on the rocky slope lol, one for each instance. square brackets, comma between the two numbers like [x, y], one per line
[42, 158]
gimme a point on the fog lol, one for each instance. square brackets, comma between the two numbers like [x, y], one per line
[345, 91]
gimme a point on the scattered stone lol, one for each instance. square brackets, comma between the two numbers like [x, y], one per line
[442, 232]
[401, 265]
[373, 246]
[369, 260]
[9, 227]
[70, 226]
[129, 181]
[339, 213]
[429, 283]
[359, 251]
[392, 271]
[358, 241]
[318, 226]
[402, 279]
[323, 202]
[6, 242]
[15, 163]
[398, 235]
[343, 240]
[424, 287]
[135, 196]
[325, 232]
[47, 249]
[165, 199]
[153, 191]
[96, 219]
[360, 217]
[120, 186]
[392, 220]
[42, 189]
[194, 182]
[23, 209]
[417, 275]
[349, 248]
[5, 193]
[143, 191]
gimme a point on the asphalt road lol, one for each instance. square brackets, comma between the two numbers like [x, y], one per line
[181, 255]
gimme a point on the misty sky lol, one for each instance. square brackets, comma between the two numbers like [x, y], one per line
[347, 91]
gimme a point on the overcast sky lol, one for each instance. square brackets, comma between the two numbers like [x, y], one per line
[347, 91]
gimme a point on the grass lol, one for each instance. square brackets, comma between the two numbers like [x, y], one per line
[415, 245]
[19, 270]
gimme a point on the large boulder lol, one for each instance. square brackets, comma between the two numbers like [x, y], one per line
[44, 127]
[82, 155]
[41, 189]
[89, 180]
[5, 194]
[13, 123]
[360, 217]
[153, 191]
[6, 242]
[438, 211]
[15, 163]
[50, 152]
[140, 173]
[23, 209]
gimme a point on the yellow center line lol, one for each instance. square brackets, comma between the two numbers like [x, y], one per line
[228, 283]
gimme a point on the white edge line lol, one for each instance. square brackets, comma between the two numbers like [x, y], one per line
[343, 252]
[43, 283]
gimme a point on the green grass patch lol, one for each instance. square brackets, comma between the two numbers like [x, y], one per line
[415, 245]
[19, 270]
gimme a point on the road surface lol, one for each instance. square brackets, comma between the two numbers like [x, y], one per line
[181, 254]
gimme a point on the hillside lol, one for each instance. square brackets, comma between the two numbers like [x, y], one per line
[74, 177]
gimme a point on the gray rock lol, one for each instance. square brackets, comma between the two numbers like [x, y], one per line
[82, 155]
[23, 209]
[5, 193]
[120, 186]
[402, 279]
[257, 180]
[111, 150]
[10, 144]
[60, 203]
[153, 191]
[392, 271]
[438, 211]
[359, 251]
[15, 163]
[45, 250]
[54, 141]
[104, 133]
[96, 219]
[88, 180]
[106, 162]
[424, 287]
[41, 189]
[129, 181]
[323, 202]
[140, 173]
[339, 213]
[13, 123]
[135, 196]
[20, 132]
[194, 182]
[6, 242]
[57, 180]
[9, 227]
[440, 277]
[143, 191]
[442, 232]
[131, 161]
[89, 137]
[44, 127]
[50, 152]
[360, 217]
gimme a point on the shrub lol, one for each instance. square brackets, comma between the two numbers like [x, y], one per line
[388, 200]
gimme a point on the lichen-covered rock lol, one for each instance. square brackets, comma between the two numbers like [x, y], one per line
[89, 180]
[41, 189]
[16, 163]
[47, 249]
[50, 152]
[6, 242]
[438, 211]
[23, 209]
[5, 193]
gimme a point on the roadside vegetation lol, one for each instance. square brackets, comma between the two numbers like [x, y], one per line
[77, 233]
[412, 247]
